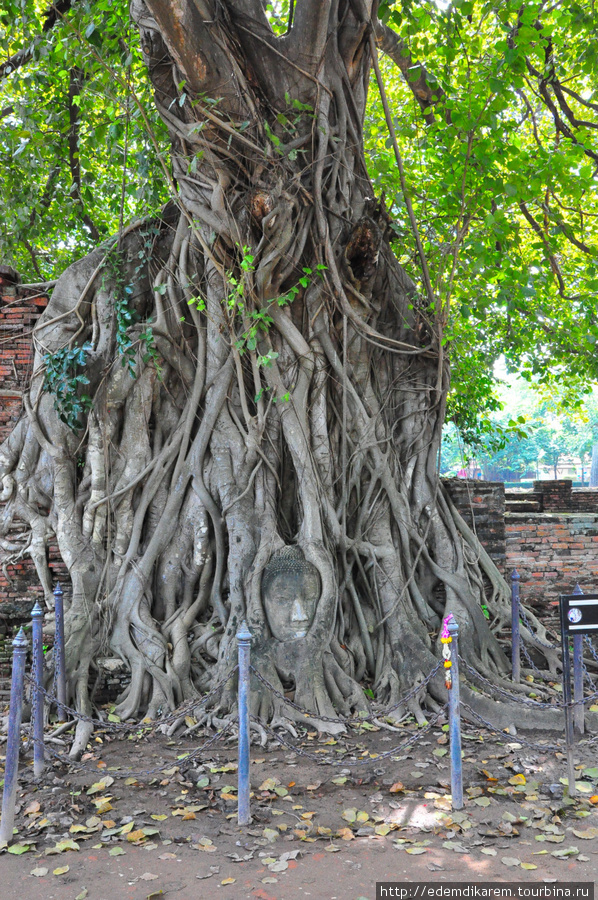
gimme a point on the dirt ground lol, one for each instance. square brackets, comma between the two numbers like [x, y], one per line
[318, 831]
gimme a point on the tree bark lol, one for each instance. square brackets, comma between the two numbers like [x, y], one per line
[266, 378]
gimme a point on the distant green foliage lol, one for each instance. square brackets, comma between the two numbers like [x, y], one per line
[536, 434]
[45, 216]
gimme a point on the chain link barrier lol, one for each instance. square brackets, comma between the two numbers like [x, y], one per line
[515, 738]
[81, 766]
[528, 701]
[502, 692]
[530, 628]
[122, 727]
[285, 742]
[347, 720]
[590, 644]
[545, 676]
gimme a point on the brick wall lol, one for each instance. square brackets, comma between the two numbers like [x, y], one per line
[19, 311]
[482, 505]
[553, 552]
[20, 308]
[559, 496]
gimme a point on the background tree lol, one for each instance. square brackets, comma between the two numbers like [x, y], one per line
[530, 435]
[504, 188]
[253, 376]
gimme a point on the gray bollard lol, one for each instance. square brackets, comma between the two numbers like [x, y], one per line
[59, 657]
[11, 769]
[244, 787]
[578, 709]
[515, 636]
[455, 720]
[37, 697]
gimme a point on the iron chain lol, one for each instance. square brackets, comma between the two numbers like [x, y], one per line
[518, 738]
[529, 627]
[343, 762]
[141, 726]
[346, 720]
[85, 766]
[509, 695]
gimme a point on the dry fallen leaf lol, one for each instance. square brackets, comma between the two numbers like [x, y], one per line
[138, 835]
[147, 876]
[33, 808]
[63, 846]
[39, 873]
[397, 786]
[269, 784]
[103, 805]
[61, 870]
[586, 835]
[454, 845]
[18, 849]
[100, 786]
[228, 881]
[280, 866]
[510, 861]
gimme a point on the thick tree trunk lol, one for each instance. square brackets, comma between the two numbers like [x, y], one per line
[267, 396]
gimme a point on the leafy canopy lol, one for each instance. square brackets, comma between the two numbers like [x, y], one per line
[505, 186]
[501, 168]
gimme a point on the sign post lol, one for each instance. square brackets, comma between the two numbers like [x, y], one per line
[579, 615]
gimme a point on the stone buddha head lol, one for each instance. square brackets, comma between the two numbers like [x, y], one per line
[290, 593]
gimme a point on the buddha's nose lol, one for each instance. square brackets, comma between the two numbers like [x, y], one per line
[298, 614]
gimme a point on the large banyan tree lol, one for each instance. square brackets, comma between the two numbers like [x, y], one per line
[236, 408]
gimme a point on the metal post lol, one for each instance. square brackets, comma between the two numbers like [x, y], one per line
[13, 743]
[567, 703]
[37, 697]
[59, 658]
[515, 638]
[243, 648]
[455, 721]
[578, 709]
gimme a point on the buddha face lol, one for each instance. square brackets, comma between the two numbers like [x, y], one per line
[290, 598]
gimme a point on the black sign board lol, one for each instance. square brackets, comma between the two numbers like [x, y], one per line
[579, 613]
[579, 616]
